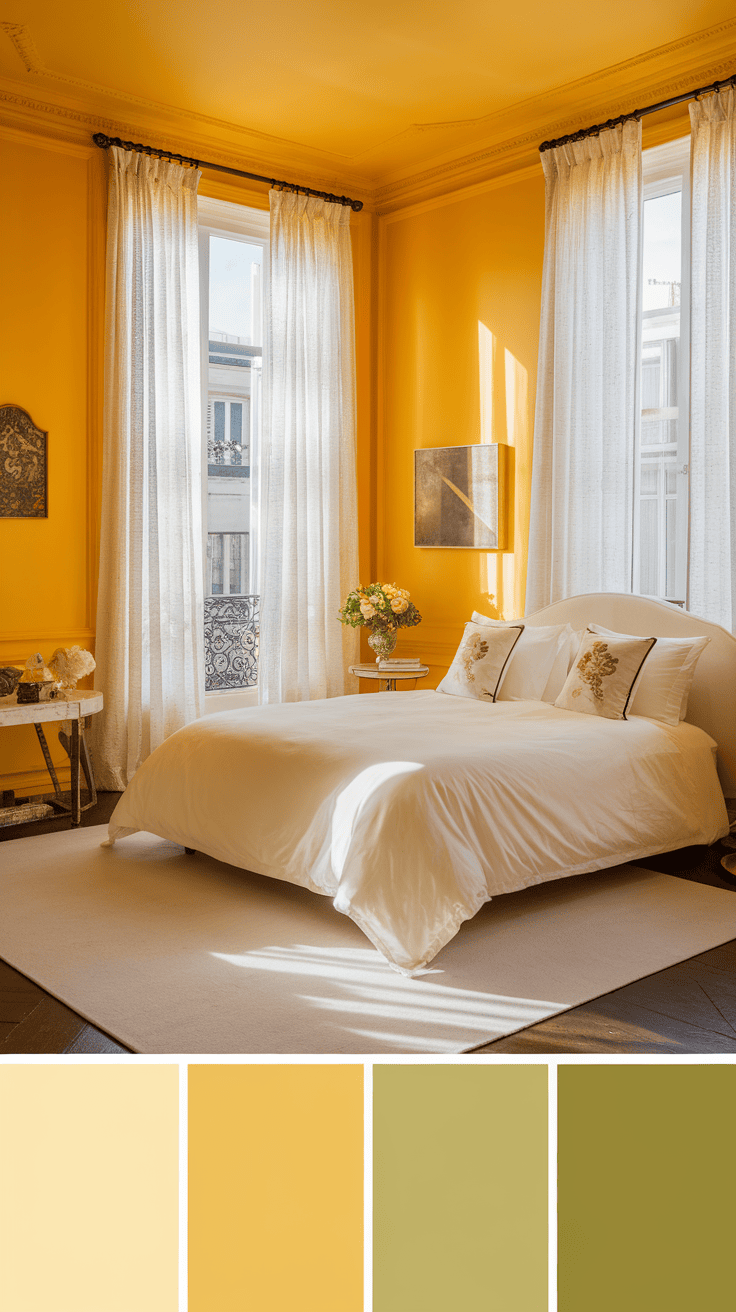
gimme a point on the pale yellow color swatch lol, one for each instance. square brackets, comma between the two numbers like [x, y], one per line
[276, 1188]
[89, 1188]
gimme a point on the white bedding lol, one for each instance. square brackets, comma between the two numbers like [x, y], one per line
[411, 810]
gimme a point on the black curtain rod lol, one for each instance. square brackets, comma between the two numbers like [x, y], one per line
[636, 113]
[103, 142]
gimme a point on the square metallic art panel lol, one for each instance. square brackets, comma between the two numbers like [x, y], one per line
[459, 497]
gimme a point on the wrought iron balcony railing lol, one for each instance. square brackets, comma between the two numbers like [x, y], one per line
[231, 626]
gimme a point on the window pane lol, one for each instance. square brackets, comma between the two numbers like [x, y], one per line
[671, 547]
[219, 421]
[662, 251]
[234, 357]
[661, 388]
[649, 552]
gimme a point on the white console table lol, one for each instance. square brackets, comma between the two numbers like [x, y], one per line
[80, 705]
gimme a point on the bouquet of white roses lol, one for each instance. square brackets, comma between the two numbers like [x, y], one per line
[380, 607]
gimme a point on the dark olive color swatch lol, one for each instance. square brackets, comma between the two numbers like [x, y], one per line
[460, 1188]
[646, 1196]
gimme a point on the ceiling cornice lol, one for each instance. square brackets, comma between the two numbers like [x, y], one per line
[492, 145]
[669, 71]
[55, 115]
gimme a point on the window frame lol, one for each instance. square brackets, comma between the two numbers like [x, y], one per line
[250, 225]
[666, 169]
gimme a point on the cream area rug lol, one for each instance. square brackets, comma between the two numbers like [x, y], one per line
[181, 954]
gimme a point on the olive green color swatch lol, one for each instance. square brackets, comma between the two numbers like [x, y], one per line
[646, 1204]
[460, 1188]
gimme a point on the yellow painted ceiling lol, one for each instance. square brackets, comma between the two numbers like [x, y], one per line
[344, 77]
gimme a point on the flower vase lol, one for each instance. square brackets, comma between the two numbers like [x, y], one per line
[382, 642]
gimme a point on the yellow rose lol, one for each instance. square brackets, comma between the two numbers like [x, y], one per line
[366, 610]
[399, 605]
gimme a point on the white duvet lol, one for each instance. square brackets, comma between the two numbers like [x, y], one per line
[411, 810]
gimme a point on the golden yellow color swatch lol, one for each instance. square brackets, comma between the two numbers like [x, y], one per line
[276, 1188]
[89, 1188]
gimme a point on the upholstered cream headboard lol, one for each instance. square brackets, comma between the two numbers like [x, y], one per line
[712, 703]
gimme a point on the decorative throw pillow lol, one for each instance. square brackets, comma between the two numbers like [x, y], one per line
[480, 661]
[604, 674]
[528, 669]
[666, 679]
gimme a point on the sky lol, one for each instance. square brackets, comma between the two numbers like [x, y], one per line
[662, 219]
[230, 262]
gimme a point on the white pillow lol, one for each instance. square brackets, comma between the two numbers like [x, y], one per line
[667, 676]
[562, 663]
[480, 660]
[530, 664]
[604, 674]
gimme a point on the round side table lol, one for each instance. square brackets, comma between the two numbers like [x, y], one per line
[373, 672]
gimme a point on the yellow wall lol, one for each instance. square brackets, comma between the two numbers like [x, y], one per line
[447, 311]
[52, 270]
[458, 328]
[52, 215]
[460, 283]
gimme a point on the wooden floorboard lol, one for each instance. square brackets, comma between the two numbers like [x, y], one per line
[688, 1008]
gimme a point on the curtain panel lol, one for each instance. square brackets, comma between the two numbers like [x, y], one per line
[581, 526]
[712, 364]
[308, 492]
[150, 641]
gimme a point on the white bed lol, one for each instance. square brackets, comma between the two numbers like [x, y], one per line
[411, 810]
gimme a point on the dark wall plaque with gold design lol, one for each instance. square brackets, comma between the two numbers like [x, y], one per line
[23, 481]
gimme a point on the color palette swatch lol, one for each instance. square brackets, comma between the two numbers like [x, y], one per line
[647, 1160]
[460, 1188]
[276, 1188]
[89, 1188]
[281, 1160]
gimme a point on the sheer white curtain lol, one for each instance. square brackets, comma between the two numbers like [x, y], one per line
[581, 526]
[308, 514]
[713, 360]
[150, 662]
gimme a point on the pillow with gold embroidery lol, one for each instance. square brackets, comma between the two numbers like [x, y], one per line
[604, 675]
[480, 661]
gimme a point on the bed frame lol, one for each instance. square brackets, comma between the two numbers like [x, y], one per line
[712, 702]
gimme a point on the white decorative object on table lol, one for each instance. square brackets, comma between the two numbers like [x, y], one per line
[69, 665]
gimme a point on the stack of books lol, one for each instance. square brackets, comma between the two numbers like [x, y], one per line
[395, 666]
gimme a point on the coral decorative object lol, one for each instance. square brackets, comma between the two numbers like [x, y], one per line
[69, 665]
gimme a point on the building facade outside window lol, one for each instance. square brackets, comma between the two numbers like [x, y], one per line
[233, 265]
[663, 430]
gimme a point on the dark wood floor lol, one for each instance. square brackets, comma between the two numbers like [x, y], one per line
[688, 1008]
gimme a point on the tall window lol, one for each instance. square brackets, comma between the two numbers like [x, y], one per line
[233, 262]
[661, 525]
